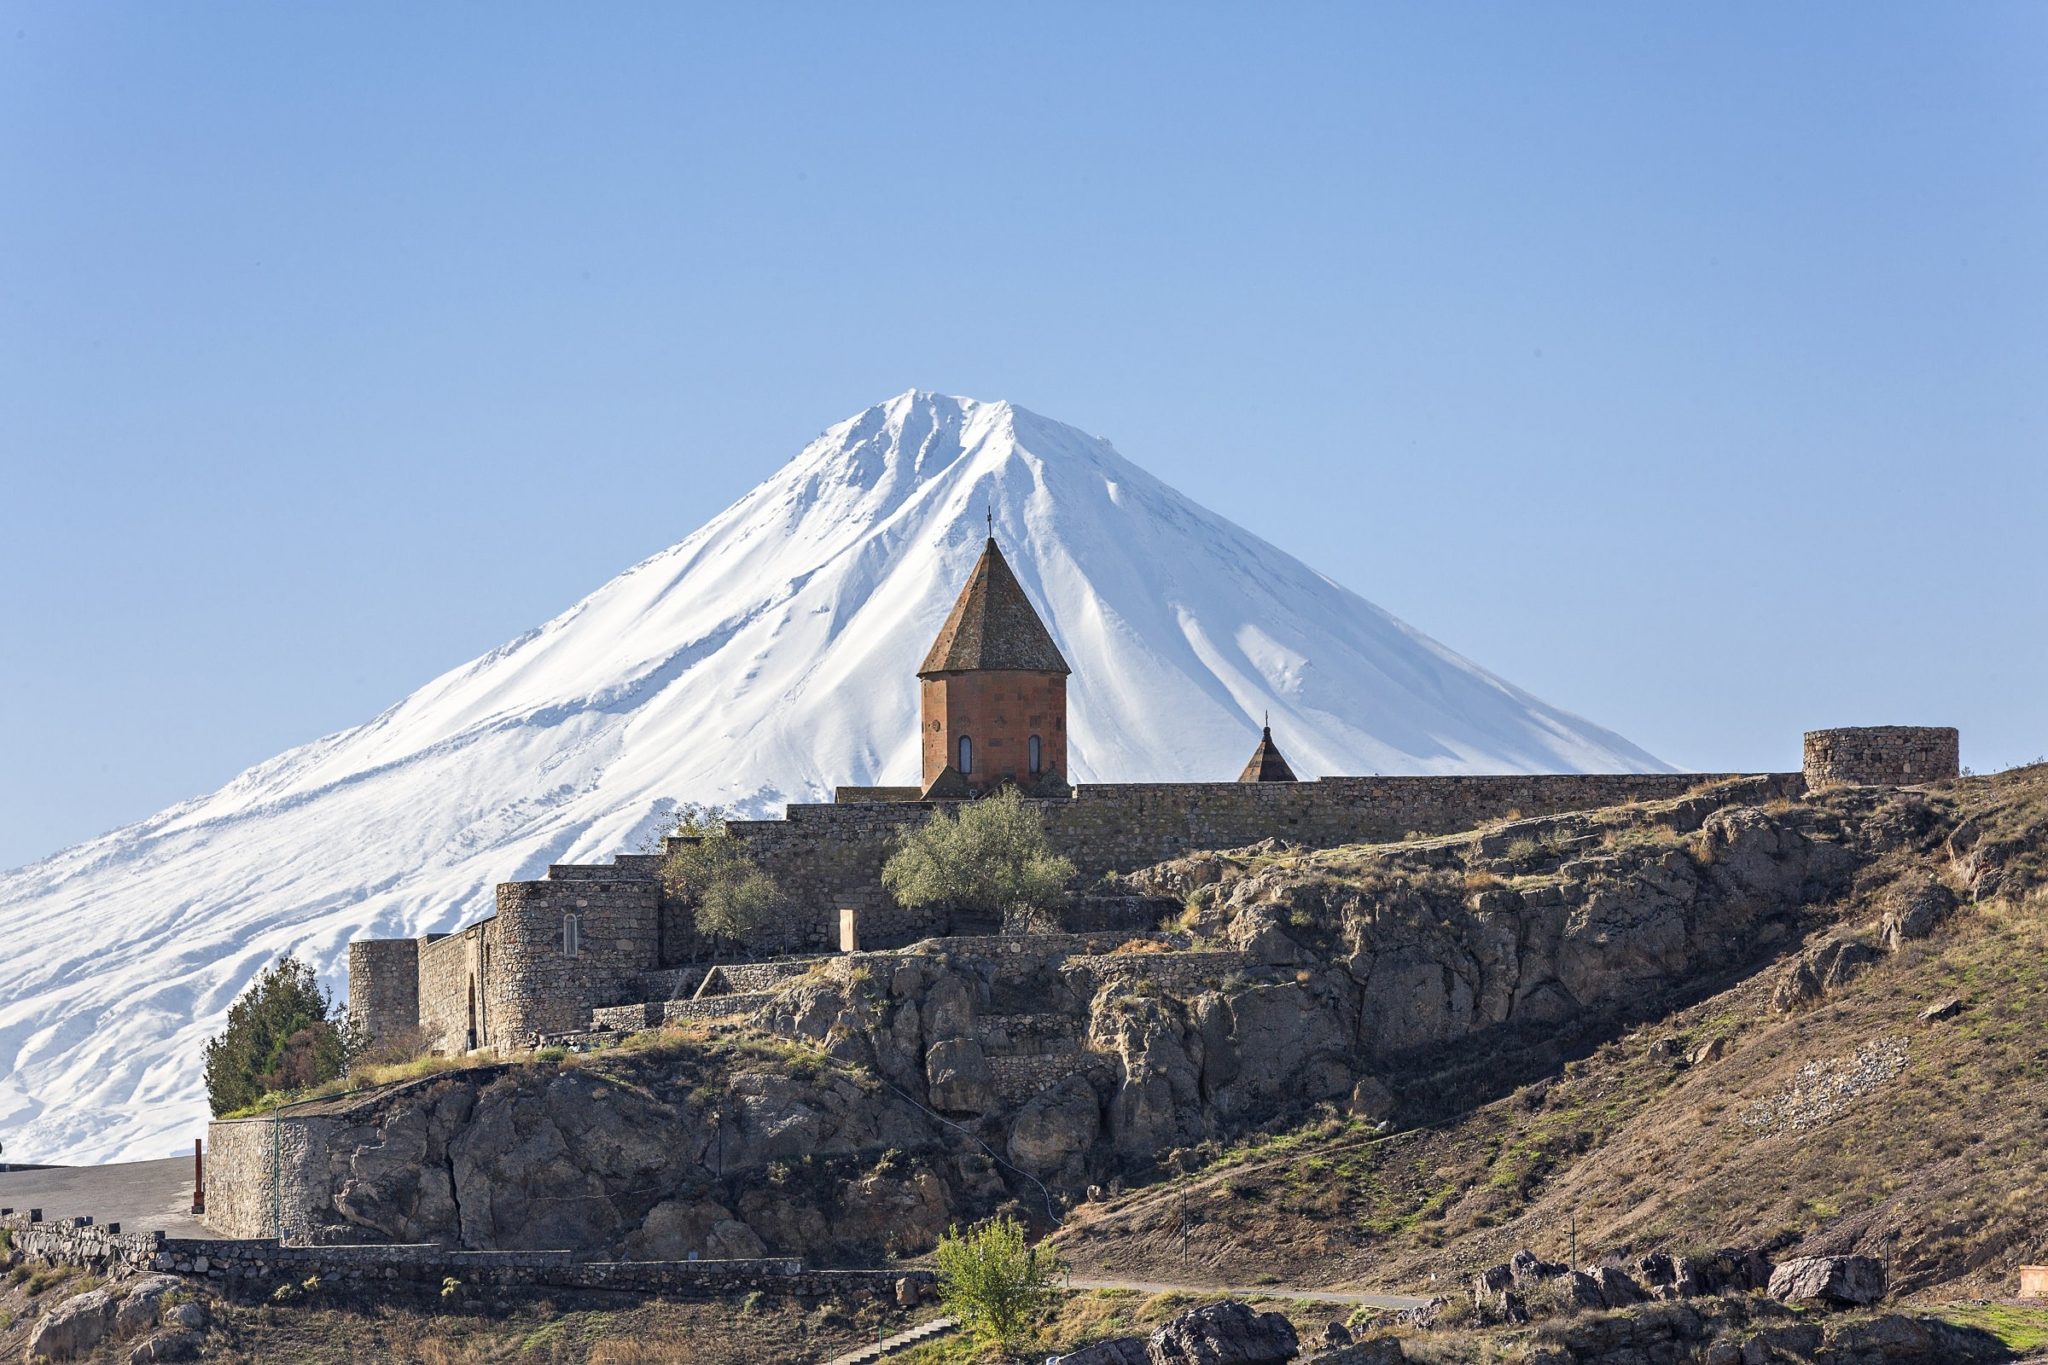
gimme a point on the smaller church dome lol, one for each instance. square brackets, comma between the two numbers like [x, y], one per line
[1268, 764]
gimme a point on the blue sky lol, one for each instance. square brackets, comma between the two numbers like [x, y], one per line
[1685, 362]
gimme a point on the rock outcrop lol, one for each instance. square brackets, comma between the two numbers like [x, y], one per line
[1841, 1280]
[82, 1324]
[997, 1066]
[1228, 1333]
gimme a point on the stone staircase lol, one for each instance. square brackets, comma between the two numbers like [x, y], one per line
[902, 1341]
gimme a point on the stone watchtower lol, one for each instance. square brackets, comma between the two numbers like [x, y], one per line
[993, 692]
[1880, 756]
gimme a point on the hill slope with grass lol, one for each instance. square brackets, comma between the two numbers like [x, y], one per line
[1878, 1086]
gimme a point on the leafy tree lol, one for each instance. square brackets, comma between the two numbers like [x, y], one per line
[707, 868]
[283, 1033]
[994, 858]
[993, 1281]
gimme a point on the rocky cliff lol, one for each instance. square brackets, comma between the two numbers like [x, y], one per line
[882, 1094]
[1851, 1064]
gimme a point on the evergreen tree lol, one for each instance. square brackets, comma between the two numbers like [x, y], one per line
[283, 1034]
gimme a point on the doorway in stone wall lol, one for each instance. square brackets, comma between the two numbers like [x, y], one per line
[472, 1016]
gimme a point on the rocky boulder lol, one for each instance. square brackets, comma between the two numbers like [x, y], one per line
[1224, 1334]
[958, 1078]
[1840, 1280]
[1820, 970]
[1913, 908]
[74, 1327]
[1056, 1126]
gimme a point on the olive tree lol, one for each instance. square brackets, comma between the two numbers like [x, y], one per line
[707, 867]
[992, 858]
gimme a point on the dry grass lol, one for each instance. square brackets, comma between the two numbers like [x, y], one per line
[366, 1078]
[1941, 1169]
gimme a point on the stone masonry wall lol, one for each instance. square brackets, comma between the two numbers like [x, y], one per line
[265, 1177]
[384, 985]
[267, 1261]
[451, 989]
[1881, 756]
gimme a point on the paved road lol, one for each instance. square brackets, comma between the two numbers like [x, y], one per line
[142, 1196]
[1259, 1291]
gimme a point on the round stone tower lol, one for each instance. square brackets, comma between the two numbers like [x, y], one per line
[1880, 756]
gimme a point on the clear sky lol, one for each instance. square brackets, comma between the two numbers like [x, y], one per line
[1700, 352]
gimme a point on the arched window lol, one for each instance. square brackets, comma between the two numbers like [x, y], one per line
[572, 936]
[1036, 765]
[966, 755]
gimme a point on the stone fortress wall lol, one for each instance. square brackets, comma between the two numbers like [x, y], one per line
[828, 857]
[1881, 756]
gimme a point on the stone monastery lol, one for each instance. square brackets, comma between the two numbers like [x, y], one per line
[606, 946]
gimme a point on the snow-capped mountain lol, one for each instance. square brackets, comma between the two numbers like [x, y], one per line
[765, 658]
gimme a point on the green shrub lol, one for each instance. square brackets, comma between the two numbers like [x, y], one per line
[993, 1281]
[994, 858]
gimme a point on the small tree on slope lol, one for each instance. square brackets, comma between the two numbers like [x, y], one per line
[993, 1281]
[994, 859]
[282, 1034]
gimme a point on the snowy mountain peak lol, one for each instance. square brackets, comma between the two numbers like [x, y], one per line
[765, 658]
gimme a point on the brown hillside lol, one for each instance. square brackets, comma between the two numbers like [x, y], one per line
[1802, 1106]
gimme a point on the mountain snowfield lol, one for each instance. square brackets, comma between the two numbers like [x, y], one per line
[766, 658]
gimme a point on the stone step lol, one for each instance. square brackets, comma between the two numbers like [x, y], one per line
[902, 1341]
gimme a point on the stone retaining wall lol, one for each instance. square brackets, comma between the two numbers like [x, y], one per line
[742, 978]
[80, 1242]
[1016, 1079]
[266, 1261]
[1026, 1035]
[653, 1013]
[1179, 973]
[261, 1173]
